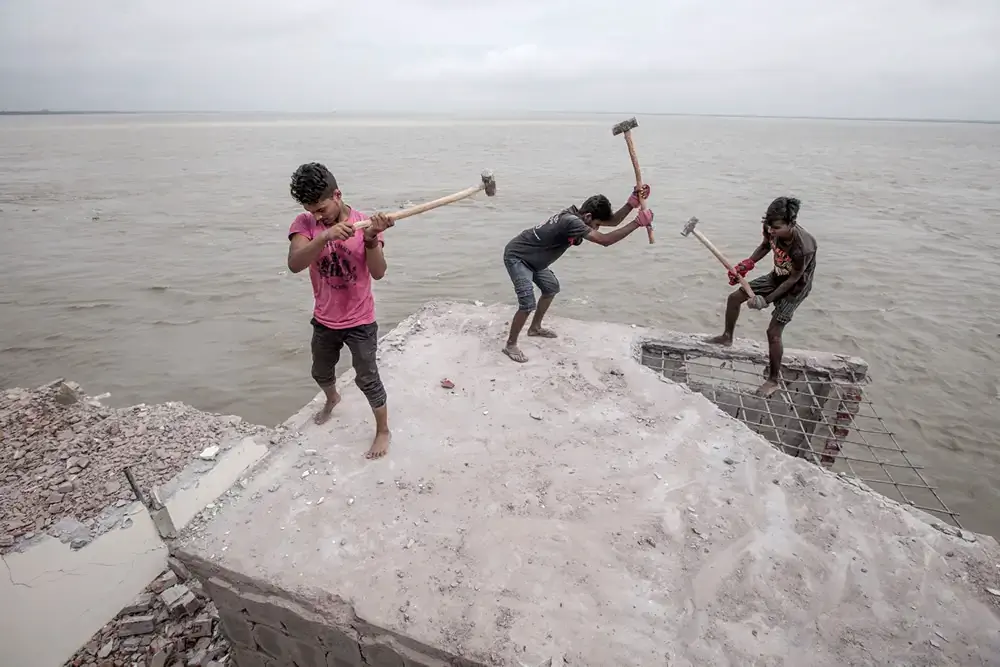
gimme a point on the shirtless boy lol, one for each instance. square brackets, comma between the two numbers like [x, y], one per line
[787, 286]
[342, 263]
[528, 256]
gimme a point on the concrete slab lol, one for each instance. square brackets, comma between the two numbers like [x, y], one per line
[579, 507]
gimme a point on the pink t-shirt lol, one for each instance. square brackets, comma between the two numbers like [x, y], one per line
[341, 282]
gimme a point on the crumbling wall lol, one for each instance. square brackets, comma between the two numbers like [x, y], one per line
[270, 628]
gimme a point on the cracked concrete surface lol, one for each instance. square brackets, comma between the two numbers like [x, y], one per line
[578, 506]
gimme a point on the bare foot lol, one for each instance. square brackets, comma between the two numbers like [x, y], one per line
[542, 332]
[323, 416]
[514, 352]
[380, 446]
[724, 340]
[768, 388]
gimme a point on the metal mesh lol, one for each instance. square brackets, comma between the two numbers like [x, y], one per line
[816, 415]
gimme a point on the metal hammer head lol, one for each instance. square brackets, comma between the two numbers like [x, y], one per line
[489, 184]
[689, 226]
[625, 126]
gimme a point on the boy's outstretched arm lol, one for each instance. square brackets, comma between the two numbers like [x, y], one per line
[642, 220]
[612, 237]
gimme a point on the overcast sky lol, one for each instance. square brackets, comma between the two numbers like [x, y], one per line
[910, 58]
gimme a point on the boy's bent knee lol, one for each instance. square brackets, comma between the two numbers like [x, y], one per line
[526, 305]
[526, 299]
[324, 378]
[368, 380]
[774, 331]
[548, 285]
[371, 386]
[324, 369]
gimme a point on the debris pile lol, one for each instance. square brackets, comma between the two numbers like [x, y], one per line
[171, 624]
[62, 454]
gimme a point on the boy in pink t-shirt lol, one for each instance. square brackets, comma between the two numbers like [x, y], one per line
[342, 263]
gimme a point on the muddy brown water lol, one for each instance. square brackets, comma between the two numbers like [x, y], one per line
[144, 255]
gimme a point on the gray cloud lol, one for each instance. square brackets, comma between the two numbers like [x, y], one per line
[795, 57]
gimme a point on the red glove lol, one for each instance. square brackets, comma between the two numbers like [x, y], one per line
[633, 199]
[645, 218]
[744, 267]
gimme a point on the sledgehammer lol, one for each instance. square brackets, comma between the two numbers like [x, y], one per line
[489, 185]
[689, 228]
[625, 127]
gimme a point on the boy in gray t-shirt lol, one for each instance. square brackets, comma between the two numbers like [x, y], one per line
[528, 256]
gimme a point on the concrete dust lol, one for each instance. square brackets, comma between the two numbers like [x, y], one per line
[582, 506]
[62, 456]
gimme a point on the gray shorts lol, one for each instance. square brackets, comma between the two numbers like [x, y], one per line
[523, 276]
[784, 307]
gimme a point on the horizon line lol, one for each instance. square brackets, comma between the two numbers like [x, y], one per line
[120, 112]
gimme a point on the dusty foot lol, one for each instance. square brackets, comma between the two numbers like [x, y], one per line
[514, 352]
[380, 446]
[768, 388]
[721, 340]
[542, 332]
[323, 416]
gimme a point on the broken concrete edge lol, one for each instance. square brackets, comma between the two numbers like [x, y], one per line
[836, 365]
[305, 615]
[165, 523]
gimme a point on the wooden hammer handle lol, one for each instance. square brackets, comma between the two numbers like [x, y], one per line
[423, 208]
[725, 262]
[638, 179]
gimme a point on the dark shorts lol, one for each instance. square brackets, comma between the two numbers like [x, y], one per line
[362, 341]
[523, 276]
[784, 308]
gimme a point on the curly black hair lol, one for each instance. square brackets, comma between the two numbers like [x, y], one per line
[598, 207]
[312, 183]
[783, 208]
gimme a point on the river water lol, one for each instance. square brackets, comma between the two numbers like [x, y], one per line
[144, 255]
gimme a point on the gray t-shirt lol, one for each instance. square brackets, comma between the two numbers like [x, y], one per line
[796, 254]
[543, 244]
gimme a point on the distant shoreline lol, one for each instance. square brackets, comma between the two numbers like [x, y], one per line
[46, 112]
[355, 114]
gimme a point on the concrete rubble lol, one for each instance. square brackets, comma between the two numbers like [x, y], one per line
[62, 454]
[581, 510]
[171, 624]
